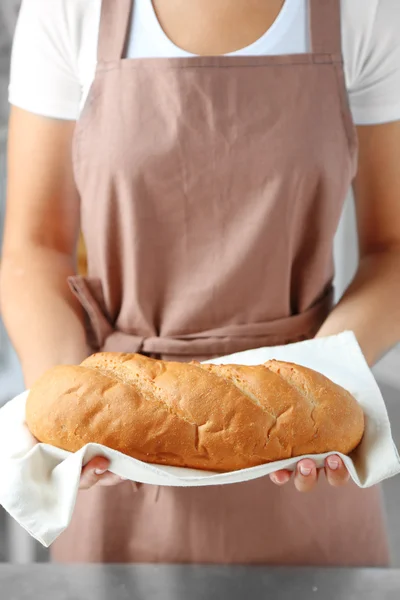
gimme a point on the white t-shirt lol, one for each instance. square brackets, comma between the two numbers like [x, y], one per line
[55, 49]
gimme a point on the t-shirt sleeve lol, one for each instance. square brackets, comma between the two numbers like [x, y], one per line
[374, 63]
[44, 71]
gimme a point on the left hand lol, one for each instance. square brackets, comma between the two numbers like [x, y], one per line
[306, 474]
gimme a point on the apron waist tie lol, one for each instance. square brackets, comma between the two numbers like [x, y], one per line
[202, 346]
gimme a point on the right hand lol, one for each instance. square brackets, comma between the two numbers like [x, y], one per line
[96, 473]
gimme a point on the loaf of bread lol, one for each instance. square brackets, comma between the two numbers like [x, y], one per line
[217, 418]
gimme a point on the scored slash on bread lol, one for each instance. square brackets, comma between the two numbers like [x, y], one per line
[203, 416]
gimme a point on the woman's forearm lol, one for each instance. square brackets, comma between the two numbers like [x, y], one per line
[371, 306]
[43, 319]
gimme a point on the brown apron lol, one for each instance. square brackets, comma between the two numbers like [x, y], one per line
[211, 191]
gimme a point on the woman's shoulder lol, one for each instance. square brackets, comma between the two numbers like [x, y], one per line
[60, 18]
[370, 25]
[55, 11]
[371, 52]
[361, 18]
[54, 53]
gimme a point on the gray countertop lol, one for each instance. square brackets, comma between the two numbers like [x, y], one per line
[160, 582]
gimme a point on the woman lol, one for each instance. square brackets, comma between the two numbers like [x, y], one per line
[208, 189]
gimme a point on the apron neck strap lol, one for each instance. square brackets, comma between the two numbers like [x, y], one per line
[325, 26]
[114, 26]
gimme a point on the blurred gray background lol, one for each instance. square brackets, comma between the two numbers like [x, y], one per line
[15, 545]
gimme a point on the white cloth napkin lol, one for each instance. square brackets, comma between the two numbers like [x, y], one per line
[39, 483]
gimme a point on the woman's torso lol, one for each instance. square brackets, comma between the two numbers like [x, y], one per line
[209, 210]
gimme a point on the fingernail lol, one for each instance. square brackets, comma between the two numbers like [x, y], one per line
[100, 471]
[333, 464]
[306, 471]
[123, 479]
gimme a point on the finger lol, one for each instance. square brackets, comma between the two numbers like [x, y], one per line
[336, 472]
[92, 472]
[109, 479]
[306, 475]
[99, 463]
[280, 477]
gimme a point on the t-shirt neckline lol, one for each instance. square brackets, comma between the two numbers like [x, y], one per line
[267, 40]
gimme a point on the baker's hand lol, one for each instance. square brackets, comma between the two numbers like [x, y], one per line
[306, 475]
[95, 473]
